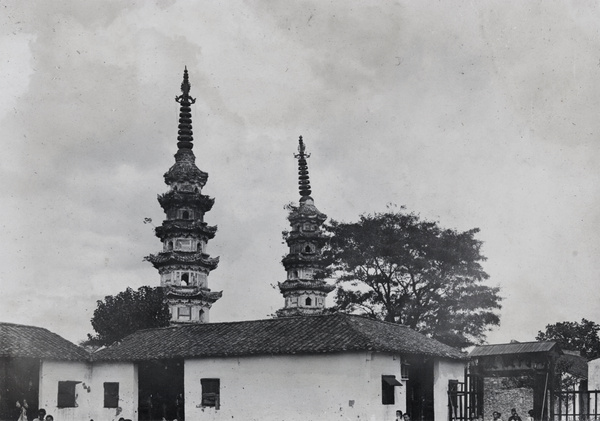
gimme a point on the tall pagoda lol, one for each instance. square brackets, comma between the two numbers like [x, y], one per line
[183, 263]
[304, 290]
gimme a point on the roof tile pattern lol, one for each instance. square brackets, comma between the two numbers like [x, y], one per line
[279, 336]
[514, 348]
[20, 341]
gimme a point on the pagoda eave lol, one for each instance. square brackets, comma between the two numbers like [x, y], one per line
[305, 285]
[171, 229]
[295, 237]
[301, 259]
[185, 171]
[194, 293]
[173, 257]
[172, 198]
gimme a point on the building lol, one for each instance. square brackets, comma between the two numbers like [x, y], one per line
[47, 371]
[304, 290]
[183, 263]
[319, 367]
[536, 376]
[302, 365]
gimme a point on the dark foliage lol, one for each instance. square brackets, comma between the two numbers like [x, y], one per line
[397, 267]
[582, 337]
[120, 315]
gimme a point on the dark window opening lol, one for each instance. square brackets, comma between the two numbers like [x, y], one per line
[66, 394]
[111, 395]
[185, 279]
[308, 301]
[404, 370]
[185, 215]
[170, 245]
[199, 246]
[387, 389]
[307, 249]
[210, 392]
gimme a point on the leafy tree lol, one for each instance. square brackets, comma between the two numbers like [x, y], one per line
[397, 267]
[574, 336]
[128, 311]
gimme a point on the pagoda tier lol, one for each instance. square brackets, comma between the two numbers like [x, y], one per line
[299, 285]
[186, 229]
[183, 264]
[304, 290]
[174, 199]
[185, 170]
[191, 306]
[199, 259]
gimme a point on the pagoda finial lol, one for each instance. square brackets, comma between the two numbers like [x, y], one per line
[303, 179]
[185, 134]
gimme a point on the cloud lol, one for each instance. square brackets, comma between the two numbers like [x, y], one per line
[471, 114]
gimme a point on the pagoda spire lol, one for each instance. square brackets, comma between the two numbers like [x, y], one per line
[303, 178]
[305, 289]
[185, 135]
[183, 263]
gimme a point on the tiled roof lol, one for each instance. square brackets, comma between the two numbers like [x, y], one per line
[22, 341]
[514, 348]
[287, 335]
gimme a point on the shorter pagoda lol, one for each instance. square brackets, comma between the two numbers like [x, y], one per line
[183, 264]
[304, 290]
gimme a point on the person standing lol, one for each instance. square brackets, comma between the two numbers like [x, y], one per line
[22, 410]
[41, 415]
[514, 416]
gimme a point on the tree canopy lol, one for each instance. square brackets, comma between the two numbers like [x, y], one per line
[118, 316]
[574, 336]
[398, 267]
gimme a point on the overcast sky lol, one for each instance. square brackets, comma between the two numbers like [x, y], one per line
[474, 114]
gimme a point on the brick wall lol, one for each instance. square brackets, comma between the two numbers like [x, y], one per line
[498, 398]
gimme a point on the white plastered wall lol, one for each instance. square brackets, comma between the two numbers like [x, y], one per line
[594, 374]
[443, 371]
[89, 389]
[126, 375]
[51, 372]
[344, 386]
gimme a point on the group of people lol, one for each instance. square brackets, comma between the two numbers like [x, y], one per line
[402, 417]
[514, 416]
[41, 413]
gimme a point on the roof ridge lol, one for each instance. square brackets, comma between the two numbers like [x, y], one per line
[521, 343]
[363, 316]
[22, 325]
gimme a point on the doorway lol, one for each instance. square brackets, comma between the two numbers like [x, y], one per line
[160, 390]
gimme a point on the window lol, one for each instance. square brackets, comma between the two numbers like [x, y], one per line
[185, 215]
[185, 279]
[66, 394]
[404, 370]
[387, 389]
[184, 313]
[307, 249]
[308, 301]
[111, 395]
[210, 392]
